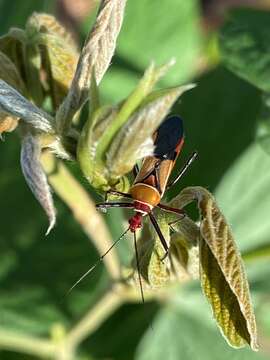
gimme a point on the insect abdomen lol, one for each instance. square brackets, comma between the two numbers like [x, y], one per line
[146, 194]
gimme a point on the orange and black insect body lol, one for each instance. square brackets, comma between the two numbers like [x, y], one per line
[150, 184]
[151, 180]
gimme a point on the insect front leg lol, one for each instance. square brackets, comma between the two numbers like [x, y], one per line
[115, 192]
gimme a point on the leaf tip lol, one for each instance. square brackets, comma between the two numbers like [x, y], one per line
[52, 221]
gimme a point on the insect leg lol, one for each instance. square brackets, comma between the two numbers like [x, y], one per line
[171, 209]
[138, 266]
[160, 235]
[115, 192]
[108, 205]
[183, 170]
[174, 222]
[135, 170]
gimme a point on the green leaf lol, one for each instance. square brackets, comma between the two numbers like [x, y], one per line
[34, 280]
[183, 332]
[145, 86]
[52, 45]
[222, 274]
[134, 140]
[10, 75]
[169, 29]
[245, 46]
[93, 167]
[102, 159]
[244, 197]
[263, 126]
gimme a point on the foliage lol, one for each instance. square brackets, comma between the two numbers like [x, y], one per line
[36, 317]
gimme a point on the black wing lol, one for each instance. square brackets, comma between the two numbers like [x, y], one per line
[169, 134]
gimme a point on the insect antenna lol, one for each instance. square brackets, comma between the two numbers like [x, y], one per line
[183, 170]
[138, 267]
[97, 262]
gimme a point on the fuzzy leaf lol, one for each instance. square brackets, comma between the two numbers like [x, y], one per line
[96, 54]
[13, 103]
[184, 258]
[263, 124]
[245, 46]
[145, 86]
[183, 325]
[134, 140]
[12, 45]
[93, 169]
[36, 177]
[47, 24]
[58, 53]
[104, 125]
[184, 250]
[151, 251]
[9, 73]
[223, 276]
[24, 53]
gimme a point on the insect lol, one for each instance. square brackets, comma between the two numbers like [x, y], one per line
[150, 184]
[151, 181]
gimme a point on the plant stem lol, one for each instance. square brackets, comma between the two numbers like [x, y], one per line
[83, 208]
[94, 318]
[26, 344]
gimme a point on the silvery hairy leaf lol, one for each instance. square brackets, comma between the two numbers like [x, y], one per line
[96, 54]
[14, 104]
[36, 177]
[222, 272]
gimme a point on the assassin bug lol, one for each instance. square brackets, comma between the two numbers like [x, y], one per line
[150, 184]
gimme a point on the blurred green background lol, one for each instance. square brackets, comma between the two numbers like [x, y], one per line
[220, 117]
